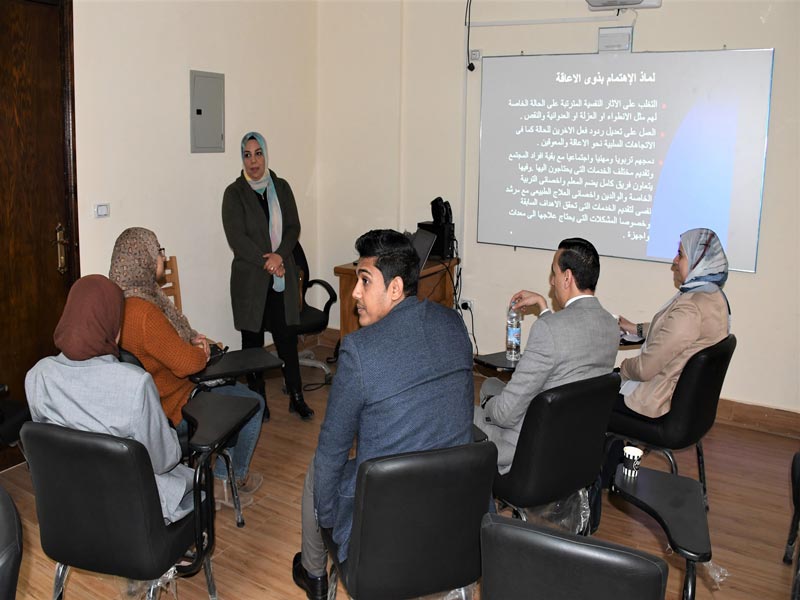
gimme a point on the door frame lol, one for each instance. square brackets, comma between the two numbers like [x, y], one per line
[70, 163]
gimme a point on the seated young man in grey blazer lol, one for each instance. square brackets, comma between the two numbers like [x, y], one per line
[577, 342]
[403, 384]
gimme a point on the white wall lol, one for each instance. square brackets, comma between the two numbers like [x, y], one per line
[371, 114]
[438, 120]
[132, 63]
[765, 367]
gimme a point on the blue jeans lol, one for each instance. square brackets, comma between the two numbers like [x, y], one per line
[242, 452]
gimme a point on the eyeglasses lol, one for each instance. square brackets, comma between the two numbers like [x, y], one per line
[162, 252]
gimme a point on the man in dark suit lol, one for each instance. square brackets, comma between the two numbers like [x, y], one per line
[577, 342]
[403, 384]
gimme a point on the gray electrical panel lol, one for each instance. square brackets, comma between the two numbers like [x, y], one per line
[207, 101]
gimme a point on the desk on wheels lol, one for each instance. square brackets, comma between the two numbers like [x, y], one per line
[436, 283]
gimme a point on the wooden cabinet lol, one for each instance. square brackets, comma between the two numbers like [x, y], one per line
[436, 283]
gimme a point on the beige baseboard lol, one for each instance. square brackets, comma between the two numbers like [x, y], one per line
[759, 418]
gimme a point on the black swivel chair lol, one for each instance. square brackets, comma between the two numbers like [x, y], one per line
[416, 523]
[99, 508]
[692, 411]
[10, 546]
[560, 446]
[522, 561]
[312, 320]
[788, 556]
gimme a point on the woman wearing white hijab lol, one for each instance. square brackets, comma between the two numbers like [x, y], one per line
[697, 317]
[262, 226]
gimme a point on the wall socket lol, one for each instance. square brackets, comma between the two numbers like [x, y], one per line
[466, 304]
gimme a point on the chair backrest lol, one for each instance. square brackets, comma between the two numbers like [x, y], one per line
[129, 357]
[696, 396]
[97, 502]
[416, 525]
[10, 546]
[522, 561]
[172, 284]
[301, 262]
[312, 320]
[560, 446]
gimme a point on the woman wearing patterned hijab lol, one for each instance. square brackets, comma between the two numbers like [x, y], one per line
[697, 317]
[87, 388]
[160, 336]
[261, 224]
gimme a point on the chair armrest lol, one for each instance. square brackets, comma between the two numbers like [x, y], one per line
[216, 418]
[238, 362]
[478, 435]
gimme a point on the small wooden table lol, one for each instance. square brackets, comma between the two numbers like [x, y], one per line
[436, 283]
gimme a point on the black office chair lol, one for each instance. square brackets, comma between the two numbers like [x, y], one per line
[560, 446]
[788, 556]
[10, 546]
[522, 561]
[312, 320]
[99, 509]
[416, 523]
[691, 414]
[242, 363]
[12, 415]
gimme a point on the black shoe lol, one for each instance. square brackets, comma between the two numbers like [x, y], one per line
[316, 588]
[298, 405]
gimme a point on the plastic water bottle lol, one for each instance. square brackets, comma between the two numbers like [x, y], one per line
[513, 334]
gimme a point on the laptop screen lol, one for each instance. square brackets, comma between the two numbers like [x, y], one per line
[423, 241]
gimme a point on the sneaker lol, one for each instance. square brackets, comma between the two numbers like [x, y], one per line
[250, 483]
[223, 497]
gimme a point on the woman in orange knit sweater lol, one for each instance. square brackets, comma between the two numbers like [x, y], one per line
[160, 336]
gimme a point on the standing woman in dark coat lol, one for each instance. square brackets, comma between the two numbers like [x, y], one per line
[259, 215]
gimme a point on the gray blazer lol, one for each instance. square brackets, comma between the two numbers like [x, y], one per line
[247, 231]
[403, 384]
[575, 343]
[104, 395]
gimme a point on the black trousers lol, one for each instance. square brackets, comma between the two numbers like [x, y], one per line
[285, 338]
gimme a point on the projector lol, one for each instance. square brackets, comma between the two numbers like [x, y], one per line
[619, 4]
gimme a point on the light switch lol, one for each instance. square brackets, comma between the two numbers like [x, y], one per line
[101, 210]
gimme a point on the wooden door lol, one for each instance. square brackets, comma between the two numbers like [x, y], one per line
[37, 189]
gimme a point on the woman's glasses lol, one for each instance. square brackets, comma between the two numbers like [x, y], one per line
[162, 252]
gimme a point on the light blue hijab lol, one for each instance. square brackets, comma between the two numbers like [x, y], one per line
[275, 215]
[708, 265]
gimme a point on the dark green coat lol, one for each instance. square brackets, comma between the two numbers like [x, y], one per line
[248, 236]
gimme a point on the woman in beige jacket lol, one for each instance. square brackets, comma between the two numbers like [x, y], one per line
[697, 317]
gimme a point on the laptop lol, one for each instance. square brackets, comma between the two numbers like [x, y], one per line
[423, 241]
